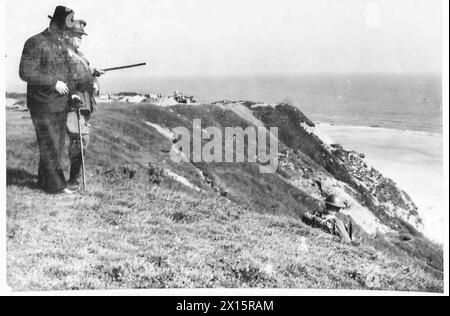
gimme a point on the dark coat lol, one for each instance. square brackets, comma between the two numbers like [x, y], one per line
[81, 80]
[44, 61]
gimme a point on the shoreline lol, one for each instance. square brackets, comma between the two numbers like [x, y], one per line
[412, 159]
[379, 128]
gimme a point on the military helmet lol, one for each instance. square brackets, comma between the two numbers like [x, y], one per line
[78, 27]
[334, 200]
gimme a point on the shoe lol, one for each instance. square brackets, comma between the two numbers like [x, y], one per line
[73, 185]
[73, 182]
[68, 191]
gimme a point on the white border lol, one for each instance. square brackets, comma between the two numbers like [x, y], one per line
[3, 286]
[4, 290]
[445, 107]
[224, 292]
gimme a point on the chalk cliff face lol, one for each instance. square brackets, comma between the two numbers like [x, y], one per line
[370, 189]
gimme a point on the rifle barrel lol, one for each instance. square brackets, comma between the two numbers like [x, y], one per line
[123, 67]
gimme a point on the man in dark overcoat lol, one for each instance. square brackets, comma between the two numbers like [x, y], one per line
[44, 66]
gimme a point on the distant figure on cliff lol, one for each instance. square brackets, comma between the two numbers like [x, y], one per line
[327, 220]
[45, 68]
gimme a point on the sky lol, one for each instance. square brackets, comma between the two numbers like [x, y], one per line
[184, 38]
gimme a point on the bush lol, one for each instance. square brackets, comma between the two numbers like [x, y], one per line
[156, 174]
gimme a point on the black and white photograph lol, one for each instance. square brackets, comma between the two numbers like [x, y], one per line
[212, 147]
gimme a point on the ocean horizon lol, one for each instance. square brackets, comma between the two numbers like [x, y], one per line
[405, 102]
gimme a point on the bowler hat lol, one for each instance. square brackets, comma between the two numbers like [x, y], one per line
[63, 17]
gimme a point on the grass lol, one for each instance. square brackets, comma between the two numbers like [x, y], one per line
[129, 232]
[136, 235]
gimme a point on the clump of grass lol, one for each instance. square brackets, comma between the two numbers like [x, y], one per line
[124, 172]
[181, 217]
[156, 174]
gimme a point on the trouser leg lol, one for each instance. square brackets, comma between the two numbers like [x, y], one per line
[50, 134]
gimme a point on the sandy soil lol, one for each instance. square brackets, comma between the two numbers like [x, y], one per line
[412, 159]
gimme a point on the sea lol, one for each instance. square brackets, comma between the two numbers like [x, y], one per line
[405, 102]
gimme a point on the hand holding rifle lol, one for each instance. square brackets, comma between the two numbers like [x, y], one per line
[97, 72]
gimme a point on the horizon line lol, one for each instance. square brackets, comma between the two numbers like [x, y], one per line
[263, 75]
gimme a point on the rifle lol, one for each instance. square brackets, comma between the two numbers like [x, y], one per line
[123, 67]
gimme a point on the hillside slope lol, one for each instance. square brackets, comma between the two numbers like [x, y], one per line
[147, 222]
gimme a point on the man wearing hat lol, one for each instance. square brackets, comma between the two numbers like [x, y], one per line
[82, 86]
[45, 68]
[328, 221]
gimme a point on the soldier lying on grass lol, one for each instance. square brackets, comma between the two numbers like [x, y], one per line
[327, 220]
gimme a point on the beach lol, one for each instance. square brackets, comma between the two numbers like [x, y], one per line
[413, 159]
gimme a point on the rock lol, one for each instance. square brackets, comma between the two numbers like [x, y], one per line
[337, 146]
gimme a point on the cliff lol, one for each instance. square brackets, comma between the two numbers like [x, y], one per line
[150, 222]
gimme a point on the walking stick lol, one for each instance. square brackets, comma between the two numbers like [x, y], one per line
[82, 148]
